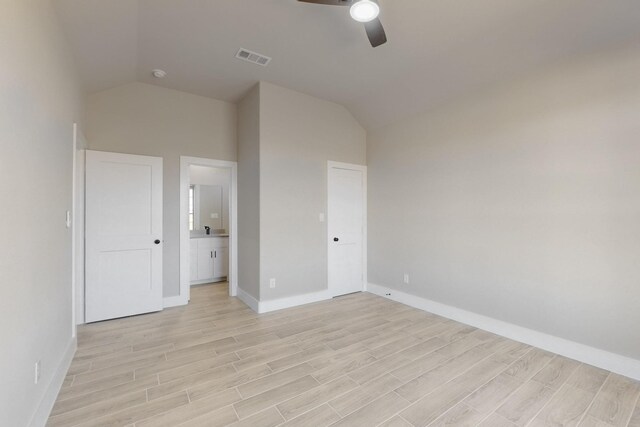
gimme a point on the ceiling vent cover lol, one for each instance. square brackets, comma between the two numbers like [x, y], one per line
[256, 58]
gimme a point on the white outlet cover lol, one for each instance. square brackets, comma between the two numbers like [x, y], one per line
[406, 278]
[321, 217]
[68, 220]
[272, 283]
[214, 216]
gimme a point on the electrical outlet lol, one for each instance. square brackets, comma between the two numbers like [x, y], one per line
[406, 278]
[36, 376]
[68, 219]
[272, 283]
[321, 217]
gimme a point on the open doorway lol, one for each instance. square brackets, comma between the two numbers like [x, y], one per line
[208, 224]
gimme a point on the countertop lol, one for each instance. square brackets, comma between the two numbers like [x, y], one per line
[208, 236]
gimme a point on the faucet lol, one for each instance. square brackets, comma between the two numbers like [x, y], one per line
[207, 229]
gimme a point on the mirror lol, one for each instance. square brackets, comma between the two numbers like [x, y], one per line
[208, 199]
[205, 207]
[211, 206]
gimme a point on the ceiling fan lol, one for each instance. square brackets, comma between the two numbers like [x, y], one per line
[365, 11]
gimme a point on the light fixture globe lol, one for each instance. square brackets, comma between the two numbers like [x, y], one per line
[364, 11]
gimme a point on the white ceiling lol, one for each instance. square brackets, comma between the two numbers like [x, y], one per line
[437, 49]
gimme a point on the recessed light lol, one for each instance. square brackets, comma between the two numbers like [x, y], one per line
[158, 73]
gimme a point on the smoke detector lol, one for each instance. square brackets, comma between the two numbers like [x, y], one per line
[253, 57]
[158, 73]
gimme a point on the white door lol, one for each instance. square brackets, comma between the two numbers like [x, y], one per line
[123, 235]
[346, 213]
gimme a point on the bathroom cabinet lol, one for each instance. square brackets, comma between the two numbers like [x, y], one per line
[209, 259]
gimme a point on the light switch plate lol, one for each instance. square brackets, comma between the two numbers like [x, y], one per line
[214, 216]
[321, 217]
[68, 220]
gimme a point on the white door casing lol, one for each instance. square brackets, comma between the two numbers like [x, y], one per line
[346, 226]
[185, 263]
[123, 235]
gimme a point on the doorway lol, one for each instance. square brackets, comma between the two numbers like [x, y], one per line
[347, 228]
[208, 224]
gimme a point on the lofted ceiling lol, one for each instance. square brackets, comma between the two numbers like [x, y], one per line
[437, 49]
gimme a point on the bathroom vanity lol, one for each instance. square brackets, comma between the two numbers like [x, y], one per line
[209, 256]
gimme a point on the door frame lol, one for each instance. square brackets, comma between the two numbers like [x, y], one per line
[185, 162]
[363, 169]
[74, 226]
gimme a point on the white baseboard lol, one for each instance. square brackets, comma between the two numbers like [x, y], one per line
[294, 301]
[593, 356]
[249, 300]
[281, 303]
[174, 301]
[41, 415]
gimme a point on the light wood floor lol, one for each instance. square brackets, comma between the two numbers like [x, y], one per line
[358, 360]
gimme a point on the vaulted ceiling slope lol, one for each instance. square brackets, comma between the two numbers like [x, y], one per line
[437, 49]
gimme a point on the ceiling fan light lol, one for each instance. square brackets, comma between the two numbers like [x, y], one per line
[364, 11]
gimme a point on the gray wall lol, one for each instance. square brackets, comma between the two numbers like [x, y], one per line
[522, 203]
[143, 119]
[298, 135]
[249, 193]
[40, 98]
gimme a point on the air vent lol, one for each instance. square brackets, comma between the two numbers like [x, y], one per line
[256, 58]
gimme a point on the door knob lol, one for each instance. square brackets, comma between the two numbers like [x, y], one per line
[157, 241]
[335, 239]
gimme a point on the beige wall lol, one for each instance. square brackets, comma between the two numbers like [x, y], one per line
[40, 98]
[522, 203]
[143, 119]
[249, 193]
[298, 135]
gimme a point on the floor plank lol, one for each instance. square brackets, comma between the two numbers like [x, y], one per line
[616, 400]
[525, 403]
[566, 408]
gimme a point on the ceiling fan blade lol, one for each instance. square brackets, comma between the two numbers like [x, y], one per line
[330, 2]
[375, 32]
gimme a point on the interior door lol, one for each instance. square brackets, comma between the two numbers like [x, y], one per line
[123, 235]
[346, 229]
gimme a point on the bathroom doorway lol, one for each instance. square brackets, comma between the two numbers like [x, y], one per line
[208, 224]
